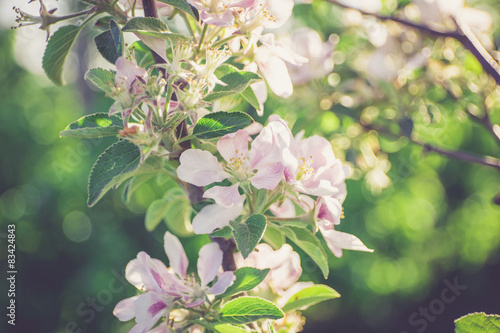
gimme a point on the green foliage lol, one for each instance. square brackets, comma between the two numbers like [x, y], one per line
[309, 243]
[182, 5]
[478, 322]
[152, 27]
[102, 78]
[114, 166]
[310, 296]
[236, 82]
[248, 309]
[178, 215]
[110, 42]
[247, 278]
[217, 124]
[93, 126]
[57, 51]
[248, 234]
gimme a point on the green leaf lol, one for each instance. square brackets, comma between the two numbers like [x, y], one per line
[182, 5]
[274, 237]
[225, 232]
[57, 51]
[155, 213]
[310, 244]
[133, 184]
[93, 126]
[248, 309]
[102, 78]
[178, 215]
[236, 82]
[217, 124]
[478, 322]
[152, 27]
[249, 96]
[115, 165]
[310, 296]
[247, 278]
[248, 234]
[110, 42]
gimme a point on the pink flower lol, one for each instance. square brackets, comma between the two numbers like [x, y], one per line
[219, 12]
[338, 241]
[165, 286]
[258, 166]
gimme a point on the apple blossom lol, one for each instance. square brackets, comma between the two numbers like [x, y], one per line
[168, 288]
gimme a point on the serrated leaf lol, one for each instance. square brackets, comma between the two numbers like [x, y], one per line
[310, 244]
[182, 5]
[57, 51]
[102, 78]
[110, 42]
[116, 164]
[247, 278]
[155, 213]
[217, 124]
[152, 27]
[248, 234]
[248, 309]
[249, 95]
[236, 82]
[93, 126]
[310, 296]
[478, 322]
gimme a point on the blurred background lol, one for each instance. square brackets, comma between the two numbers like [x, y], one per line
[431, 220]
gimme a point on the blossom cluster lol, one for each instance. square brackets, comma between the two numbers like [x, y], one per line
[297, 172]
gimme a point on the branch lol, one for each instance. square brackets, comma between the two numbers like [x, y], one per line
[150, 11]
[463, 34]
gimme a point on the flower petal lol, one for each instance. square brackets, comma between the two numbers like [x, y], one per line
[234, 146]
[276, 74]
[149, 308]
[147, 273]
[328, 211]
[209, 262]
[226, 196]
[337, 241]
[175, 253]
[224, 280]
[215, 216]
[124, 310]
[200, 168]
[268, 176]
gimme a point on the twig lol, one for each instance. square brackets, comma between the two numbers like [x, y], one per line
[462, 33]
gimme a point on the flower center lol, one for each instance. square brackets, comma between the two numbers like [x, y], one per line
[305, 169]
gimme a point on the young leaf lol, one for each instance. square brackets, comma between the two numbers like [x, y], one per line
[225, 232]
[217, 124]
[178, 216]
[236, 82]
[133, 184]
[249, 96]
[182, 5]
[57, 51]
[116, 164]
[152, 27]
[155, 213]
[478, 322]
[102, 78]
[247, 278]
[310, 296]
[274, 237]
[110, 42]
[248, 309]
[93, 126]
[248, 234]
[310, 244]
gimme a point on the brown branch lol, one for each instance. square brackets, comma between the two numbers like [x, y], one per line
[463, 34]
[456, 154]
